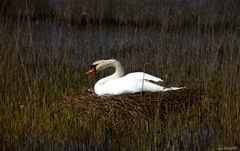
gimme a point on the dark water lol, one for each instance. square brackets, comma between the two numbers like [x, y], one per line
[138, 48]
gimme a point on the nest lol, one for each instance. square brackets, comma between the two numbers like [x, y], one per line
[129, 108]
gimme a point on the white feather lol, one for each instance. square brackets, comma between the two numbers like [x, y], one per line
[117, 84]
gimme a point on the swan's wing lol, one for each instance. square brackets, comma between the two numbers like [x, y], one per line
[144, 76]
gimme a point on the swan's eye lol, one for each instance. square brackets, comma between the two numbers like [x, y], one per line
[92, 69]
[93, 66]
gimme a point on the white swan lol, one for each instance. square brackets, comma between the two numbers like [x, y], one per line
[117, 84]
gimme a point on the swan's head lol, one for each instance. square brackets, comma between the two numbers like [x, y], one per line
[98, 66]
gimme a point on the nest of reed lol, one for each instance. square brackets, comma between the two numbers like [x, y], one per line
[131, 109]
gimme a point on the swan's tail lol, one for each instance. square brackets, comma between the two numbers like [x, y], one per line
[173, 88]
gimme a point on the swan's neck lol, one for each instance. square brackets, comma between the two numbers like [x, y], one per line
[119, 72]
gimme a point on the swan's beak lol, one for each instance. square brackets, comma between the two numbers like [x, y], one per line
[91, 70]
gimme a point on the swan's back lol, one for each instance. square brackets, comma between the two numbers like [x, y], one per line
[145, 76]
[131, 83]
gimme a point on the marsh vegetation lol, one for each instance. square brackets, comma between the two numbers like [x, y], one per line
[45, 47]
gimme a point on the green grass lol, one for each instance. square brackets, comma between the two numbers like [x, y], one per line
[198, 50]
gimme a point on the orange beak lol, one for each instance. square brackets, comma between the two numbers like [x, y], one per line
[91, 70]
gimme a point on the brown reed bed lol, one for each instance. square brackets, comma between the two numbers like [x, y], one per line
[132, 109]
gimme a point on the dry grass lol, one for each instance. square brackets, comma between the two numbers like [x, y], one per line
[127, 109]
[130, 115]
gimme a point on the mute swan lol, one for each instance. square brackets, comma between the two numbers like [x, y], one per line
[117, 84]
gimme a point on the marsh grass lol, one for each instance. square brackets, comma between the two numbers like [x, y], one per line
[44, 56]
